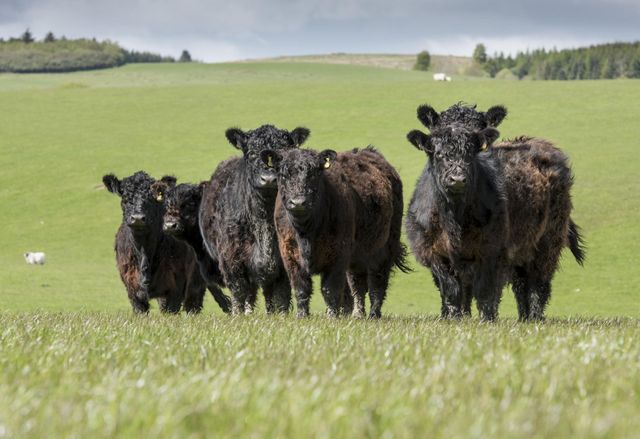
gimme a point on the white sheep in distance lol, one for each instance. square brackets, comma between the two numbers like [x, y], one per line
[34, 258]
[441, 77]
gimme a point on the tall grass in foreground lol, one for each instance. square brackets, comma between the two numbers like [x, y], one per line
[106, 374]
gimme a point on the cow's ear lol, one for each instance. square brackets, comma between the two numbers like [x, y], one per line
[158, 190]
[237, 138]
[112, 184]
[495, 115]
[428, 116]
[327, 157]
[169, 180]
[490, 135]
[270, 158]
[299, 136]
[421, 141]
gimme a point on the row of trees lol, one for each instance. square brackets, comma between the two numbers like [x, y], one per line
[604, 61]
[26, 55]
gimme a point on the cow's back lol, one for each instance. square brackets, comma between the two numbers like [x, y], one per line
[378, 196]
[212, 207]
[538, 182]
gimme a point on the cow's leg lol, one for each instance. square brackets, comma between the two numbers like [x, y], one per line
[466, 299]
[358, 286]
[267, 292]
[346, 301]
[303, 287]
[250, 301]
[450, 291]
[243, 294]
[539, 297]
[211, 274]
[281, 295]
[487, 290]
[139, 306]
[171, 304]
[332, 287]
[194, 299]
[378, 280]
[542, 271]
[223, 301]
[520, 286]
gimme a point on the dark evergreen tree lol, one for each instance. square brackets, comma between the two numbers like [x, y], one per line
[185, 56]
[26, 37]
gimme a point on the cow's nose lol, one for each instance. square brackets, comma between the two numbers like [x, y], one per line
[457, 179]
[267, 179]
[295, 203]
[137, 219]
[170, 226]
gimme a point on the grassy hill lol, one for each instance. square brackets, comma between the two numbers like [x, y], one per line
[452, 65]
[75, 362]
[63, 132]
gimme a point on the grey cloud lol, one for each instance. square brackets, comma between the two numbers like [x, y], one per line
[247, 28]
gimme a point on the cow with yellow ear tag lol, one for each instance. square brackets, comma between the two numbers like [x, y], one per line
[338, 215]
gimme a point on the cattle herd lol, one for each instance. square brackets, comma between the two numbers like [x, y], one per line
[482, 215]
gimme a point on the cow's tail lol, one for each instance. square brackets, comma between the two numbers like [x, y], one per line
[576, 242]
[398, 249]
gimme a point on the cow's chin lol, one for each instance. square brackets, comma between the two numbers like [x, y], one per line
[173, 232]
[139, 230]
[266, 190]
[299, 212]
[456, 191]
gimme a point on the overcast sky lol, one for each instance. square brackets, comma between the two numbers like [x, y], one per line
[222, 30]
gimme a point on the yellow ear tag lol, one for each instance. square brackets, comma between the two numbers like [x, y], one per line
[327, 163]
[270, 162]
[159, 198]
[484, 147]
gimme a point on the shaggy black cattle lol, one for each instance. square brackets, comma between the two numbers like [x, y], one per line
[182, 204]
[236, 219]
[483, 216]
[152, 264]
[339, 216]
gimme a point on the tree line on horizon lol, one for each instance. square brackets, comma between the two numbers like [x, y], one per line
[603, 61]
[25, 54]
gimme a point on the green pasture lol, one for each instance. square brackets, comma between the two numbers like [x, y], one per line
[75, 362]
[61, 133]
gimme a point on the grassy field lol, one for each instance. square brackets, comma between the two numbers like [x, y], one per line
[112, 375]
[75, 362]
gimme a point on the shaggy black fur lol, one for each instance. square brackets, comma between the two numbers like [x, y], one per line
[152, 264]
[181, 204]
[461, 115]
[236, 219]
[482, 217]
[339, 216]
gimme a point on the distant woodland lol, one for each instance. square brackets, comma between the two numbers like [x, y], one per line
[25, 54]
[604, 61]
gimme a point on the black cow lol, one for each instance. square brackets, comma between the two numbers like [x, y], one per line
[182, 204]
[151, 263]
[483, 215]
[236, 219]
[339, 216]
